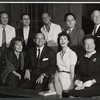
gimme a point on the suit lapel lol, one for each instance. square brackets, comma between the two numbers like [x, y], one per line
[35, 56]
[72, 34]
[22, 33]
[98, 32]
[43, 53]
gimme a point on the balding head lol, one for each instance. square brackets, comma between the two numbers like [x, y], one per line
[95, 16]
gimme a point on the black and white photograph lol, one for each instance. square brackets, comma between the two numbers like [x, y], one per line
[50, 50]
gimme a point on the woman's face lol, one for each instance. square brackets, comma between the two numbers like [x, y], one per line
[64, 41]
[18, 46]
[89, 45]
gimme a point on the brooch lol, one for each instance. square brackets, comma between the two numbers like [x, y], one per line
[94, 60]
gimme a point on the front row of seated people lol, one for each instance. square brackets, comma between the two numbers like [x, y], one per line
[41, 64]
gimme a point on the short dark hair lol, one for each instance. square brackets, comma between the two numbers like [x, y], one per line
[63, 33]
[67, 14]
[1, 12]
[89, 36]
[13, 41]
[45, 12]
[23, 15]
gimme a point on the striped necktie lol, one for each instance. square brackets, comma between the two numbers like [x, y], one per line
[3, 39]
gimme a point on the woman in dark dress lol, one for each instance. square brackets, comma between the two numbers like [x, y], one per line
[87, 82]
[14, 64]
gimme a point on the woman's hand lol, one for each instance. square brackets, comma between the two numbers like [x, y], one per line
[17, 74]
[78, 83]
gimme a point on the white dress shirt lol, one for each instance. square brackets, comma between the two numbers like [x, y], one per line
[41, 48]
[10, 33]
[52, 35]
[26, 34]
[96, 29]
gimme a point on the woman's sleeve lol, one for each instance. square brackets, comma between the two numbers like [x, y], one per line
[73, 58]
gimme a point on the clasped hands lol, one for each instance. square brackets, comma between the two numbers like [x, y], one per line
[80, 85]
[39, 80]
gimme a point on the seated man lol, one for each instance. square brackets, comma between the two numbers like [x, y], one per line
[40, 65]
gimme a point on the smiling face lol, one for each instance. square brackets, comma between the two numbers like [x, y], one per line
[96, 17]
[18, 46]
[70, 21]
[25, 20]
[46, 18]
[89, 45]
[39, 39]
[4, 19]
[63, 41]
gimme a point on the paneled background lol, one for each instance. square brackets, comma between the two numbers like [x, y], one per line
[56, 10]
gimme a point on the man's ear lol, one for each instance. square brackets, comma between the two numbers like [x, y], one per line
[21, 21]
[34, 40]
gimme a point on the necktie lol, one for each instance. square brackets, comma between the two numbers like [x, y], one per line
[95, 30]
[38, 54]
[3, 39]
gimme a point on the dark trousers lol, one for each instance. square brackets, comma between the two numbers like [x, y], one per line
[33, 85]
[12, 80]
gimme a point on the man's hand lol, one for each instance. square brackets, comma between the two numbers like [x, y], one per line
[27, 74]
[17, 74]
[40, 79]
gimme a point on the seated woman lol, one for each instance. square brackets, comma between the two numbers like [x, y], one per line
[14, 64]
[88, 73]
[66, 61]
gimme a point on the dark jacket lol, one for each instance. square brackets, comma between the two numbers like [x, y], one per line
[30, 42]
[46, 64]
[10, 66]
[97, 36]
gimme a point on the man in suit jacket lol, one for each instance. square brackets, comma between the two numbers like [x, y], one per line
[95, 16]
[26, 32]
[40, 65]
[76, 34]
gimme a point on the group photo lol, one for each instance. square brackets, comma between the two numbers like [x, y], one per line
[50, 50]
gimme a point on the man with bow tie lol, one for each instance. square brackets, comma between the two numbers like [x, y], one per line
[40, 65]
[95, 17]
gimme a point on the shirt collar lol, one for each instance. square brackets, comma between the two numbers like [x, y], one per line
[41, 48]
[45, 27]
[90, 54]
[26, 28]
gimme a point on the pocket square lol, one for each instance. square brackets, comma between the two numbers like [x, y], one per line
[98, 36]
[44, 59]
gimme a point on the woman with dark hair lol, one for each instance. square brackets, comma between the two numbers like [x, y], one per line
[14, 64]
[66, 61]
[87, 82]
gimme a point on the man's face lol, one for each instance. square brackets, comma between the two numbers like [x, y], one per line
[96, 17]
[25, 20]
[39, 39]
[46, 18]
[70, 21]
[4, 19]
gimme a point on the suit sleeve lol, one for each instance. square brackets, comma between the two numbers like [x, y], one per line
[52, 64]
[81, 35]
[27, 61]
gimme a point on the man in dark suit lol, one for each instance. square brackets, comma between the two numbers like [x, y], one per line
[40, 65]
[95, 16]
[26, 32]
